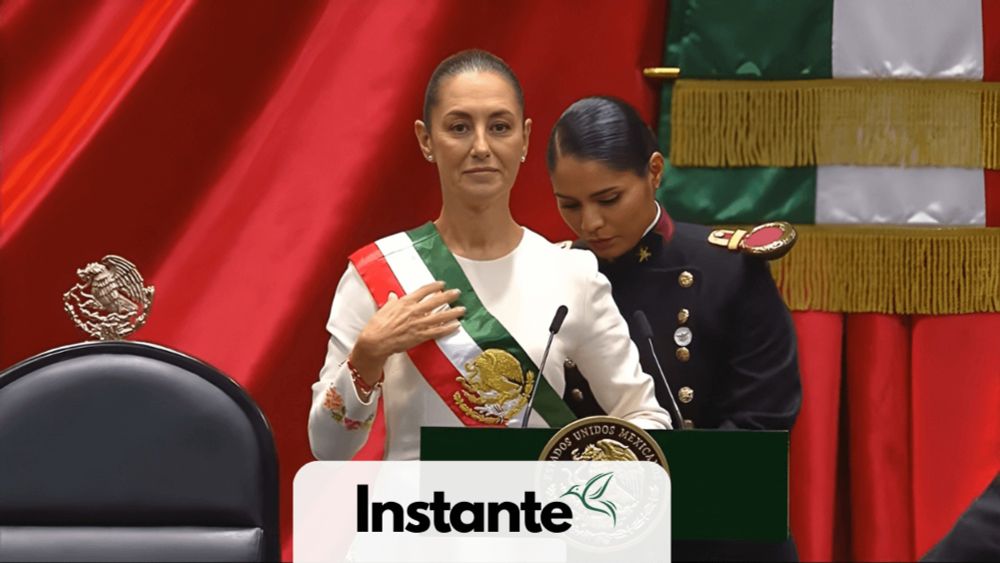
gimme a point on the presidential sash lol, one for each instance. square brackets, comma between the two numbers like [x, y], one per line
[480, 371]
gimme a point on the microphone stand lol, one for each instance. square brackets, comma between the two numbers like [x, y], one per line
[557, 322]
[646, 333]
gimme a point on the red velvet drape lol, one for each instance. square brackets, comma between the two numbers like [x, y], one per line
[899, 431]
[238, 151]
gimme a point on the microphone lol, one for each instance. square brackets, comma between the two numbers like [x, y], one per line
[557, 322]
[646, 333]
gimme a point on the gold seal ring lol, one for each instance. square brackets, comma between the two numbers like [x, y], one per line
[603, 438]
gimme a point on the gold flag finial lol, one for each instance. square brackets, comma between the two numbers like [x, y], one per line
[662, 72]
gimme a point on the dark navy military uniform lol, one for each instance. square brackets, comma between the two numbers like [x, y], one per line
[976, 534]
[725, 340]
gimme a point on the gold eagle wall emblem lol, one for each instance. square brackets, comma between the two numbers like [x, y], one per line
[111, 300]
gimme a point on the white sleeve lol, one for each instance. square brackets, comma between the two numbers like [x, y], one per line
[339, 421]
[609, 360]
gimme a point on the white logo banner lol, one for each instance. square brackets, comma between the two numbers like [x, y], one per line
[481, 511]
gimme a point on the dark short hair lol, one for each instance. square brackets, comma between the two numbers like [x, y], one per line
[471, 60]
[604, 129]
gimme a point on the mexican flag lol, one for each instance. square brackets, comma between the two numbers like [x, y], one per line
[841, 115]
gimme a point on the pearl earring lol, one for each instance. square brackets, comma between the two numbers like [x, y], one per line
[523, 158]
[429, 157]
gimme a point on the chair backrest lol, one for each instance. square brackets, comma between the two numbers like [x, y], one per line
[132, 451]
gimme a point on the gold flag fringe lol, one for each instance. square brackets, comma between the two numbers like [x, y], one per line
[895, 270]
[737, 123]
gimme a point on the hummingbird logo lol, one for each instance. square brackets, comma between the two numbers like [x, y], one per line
[590, 495]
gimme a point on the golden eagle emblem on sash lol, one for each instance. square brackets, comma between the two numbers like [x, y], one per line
[494, 388]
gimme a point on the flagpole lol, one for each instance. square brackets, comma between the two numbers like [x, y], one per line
[662, 72]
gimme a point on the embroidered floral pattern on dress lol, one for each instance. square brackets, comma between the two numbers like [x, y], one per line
[334, 403]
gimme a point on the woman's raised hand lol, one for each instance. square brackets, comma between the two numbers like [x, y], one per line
[403, 323]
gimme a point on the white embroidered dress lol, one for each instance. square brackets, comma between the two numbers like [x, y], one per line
[522, 290]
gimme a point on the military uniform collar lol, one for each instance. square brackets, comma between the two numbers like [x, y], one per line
[649, 247]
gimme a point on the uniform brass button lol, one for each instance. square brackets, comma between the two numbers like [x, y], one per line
[685, 395]
[576, 394]
[686, 279]
[683, 354]
[682, 336]
[682, 316]
[688, 424]
[569, 364]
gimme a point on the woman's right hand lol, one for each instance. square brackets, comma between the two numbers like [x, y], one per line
[403, 323]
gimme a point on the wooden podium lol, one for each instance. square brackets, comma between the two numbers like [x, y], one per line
[726, 485]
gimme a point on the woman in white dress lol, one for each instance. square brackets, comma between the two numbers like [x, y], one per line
[447, 321]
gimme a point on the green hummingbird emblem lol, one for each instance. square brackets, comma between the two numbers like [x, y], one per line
[593, 490]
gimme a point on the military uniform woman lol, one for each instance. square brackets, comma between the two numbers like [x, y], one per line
[720, 329]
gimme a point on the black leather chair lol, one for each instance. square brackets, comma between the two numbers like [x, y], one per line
[124, 451]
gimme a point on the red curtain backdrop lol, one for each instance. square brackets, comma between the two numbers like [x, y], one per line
[238, 151]
[899, 431]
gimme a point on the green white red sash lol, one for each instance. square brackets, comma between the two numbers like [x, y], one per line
[403, 262]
